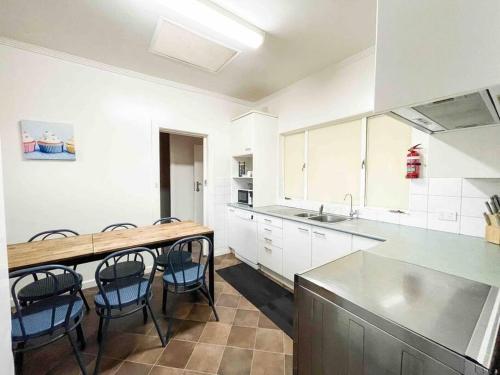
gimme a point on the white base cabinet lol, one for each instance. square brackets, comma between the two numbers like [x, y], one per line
[287, 247]
[328, 245]
[296, 248]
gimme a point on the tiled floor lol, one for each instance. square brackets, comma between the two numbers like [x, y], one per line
[244, 341]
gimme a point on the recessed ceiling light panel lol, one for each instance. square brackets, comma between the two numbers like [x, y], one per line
[181, 44]
[217, 22]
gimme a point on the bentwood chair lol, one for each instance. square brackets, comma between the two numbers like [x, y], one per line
[50, 318]
[37, 290]
[187, 276]
[162, 255]
[123, 295]
[130, 267]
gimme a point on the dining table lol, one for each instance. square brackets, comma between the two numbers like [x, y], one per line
[71, 251]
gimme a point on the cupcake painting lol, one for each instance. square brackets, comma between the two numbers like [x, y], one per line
[47, 140]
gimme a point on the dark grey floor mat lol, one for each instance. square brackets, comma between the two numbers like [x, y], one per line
[271, 299]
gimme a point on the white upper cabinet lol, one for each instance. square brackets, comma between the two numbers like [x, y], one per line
[430, 49]
[255, 135]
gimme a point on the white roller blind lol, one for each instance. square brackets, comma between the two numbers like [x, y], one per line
[293, 162]
[334, 162]
[388, 141]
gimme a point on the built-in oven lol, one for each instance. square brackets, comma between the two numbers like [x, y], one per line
[245, 196]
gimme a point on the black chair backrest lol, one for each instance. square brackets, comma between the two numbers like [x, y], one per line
[119, 281]
[175, 258]
[116, 226]
[166, 220]
[54, 233]
[52, 284]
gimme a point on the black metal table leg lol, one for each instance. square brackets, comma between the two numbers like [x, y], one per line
[211, 276]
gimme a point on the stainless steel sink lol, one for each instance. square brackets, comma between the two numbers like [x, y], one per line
[307, 214]
[329, 218]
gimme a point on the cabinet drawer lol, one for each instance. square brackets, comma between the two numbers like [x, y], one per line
[271, 220]
[271, 257]
[270, 231]
[271, 240]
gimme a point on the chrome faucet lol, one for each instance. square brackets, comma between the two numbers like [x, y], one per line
[352, 212]
[320, 210]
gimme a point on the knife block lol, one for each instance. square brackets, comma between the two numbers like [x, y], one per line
[492, 233]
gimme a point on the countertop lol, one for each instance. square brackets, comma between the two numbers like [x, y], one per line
[465, 256]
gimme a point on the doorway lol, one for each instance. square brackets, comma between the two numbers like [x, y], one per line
[181, 176]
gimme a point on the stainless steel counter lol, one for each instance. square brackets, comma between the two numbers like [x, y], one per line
[452, 320]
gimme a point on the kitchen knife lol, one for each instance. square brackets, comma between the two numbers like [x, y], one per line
[487, 218]
[497, 199]
[493, 204]
[488, 207]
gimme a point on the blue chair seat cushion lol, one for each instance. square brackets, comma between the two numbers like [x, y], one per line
[188, 274]
[123, 270]
[44, 287]
[162, 259]
[37, 317]
[123, 292]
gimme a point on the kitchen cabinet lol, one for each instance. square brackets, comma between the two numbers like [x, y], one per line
[242, 238]
[296, 248]
[414, 66]
[270, 238]
[328, 245]
[254, 139]
[363, 243]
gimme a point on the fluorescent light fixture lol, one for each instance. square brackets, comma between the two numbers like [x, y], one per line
[218, 20]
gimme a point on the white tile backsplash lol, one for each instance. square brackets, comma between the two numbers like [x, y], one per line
[419, 186]
[414, 219]
[443, 204]
[473, 207]
[433, 222]
[418, 202]
[472, 226]
[450, 187]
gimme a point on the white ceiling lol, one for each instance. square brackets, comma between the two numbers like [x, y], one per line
[302, 36]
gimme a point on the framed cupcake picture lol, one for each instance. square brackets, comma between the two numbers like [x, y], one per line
[47, 140]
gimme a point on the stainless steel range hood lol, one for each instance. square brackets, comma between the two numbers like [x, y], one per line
[465, 111]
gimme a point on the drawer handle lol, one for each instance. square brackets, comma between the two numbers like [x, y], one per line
[303, 229]
[231, 210]
[267, 248]
[319, 234]
[268, 239]
[267, 229]
[268, 220]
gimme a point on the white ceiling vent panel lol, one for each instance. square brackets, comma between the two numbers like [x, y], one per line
[181, 44]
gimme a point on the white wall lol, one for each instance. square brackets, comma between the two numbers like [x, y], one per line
[339, 91]
[6, 358]
[117, 120]
[181, 175]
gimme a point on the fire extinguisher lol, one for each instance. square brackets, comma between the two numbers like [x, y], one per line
[413, 162]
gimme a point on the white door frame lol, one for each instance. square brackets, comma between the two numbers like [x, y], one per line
[156, 129]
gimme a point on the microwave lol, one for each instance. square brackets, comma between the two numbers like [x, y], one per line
[245, 197]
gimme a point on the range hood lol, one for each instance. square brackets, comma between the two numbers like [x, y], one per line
[466, 111]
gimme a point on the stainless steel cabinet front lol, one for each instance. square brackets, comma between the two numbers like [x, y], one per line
[332, 341]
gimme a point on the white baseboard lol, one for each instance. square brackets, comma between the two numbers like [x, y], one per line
[221, 251]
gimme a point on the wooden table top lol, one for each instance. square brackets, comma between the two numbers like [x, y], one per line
[34, 253]
[146, 236]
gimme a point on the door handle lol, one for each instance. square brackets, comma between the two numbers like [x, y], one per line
[319, 234]
[197, 186]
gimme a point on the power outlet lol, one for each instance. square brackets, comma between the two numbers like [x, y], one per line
[447, 216]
